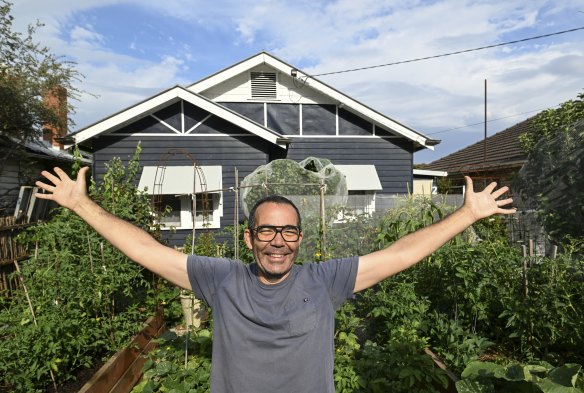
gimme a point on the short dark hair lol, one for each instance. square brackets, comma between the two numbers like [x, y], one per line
[271, 199]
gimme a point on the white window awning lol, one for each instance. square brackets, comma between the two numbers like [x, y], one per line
[181, 180]
[360, 177]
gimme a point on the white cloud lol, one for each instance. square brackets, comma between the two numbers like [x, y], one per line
[324, 36]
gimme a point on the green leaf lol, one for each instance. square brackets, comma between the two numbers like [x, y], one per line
[468, 386]
[163, 368]
[565, 375]
[477, 370]
[548, 386]
[516, 372]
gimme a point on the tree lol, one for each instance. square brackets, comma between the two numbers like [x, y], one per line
[551, 180]
[547, 124]
[29, 72]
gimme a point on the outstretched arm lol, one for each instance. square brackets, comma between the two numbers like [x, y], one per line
[134, 242]
[415, 246]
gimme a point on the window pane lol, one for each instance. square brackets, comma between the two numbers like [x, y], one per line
[173, 216]
[319, 120]
[351, 124]
[284, 118]
[252, 110]
[205, 206]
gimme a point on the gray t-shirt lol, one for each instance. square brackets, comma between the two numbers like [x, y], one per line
[272, 338]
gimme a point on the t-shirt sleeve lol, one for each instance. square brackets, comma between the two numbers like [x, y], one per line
[206, 273]
[339, 275]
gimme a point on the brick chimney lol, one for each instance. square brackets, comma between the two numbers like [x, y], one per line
[56, 99]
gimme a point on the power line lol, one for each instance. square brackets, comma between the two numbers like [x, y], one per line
[451, 53]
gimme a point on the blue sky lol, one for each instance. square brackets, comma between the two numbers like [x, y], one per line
[131, 49]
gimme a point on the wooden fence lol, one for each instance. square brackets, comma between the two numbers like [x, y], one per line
[10, 252]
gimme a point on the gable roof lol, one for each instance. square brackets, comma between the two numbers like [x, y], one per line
[163, 99]
[265, 58]
[503, 151]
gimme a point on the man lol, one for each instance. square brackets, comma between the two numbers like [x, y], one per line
[273, 320]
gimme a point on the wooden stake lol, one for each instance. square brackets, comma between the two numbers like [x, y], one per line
[525, 279]
[322, 223]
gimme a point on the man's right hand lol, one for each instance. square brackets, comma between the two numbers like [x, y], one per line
[64, 191]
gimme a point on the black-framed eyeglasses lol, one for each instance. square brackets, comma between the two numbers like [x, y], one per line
[267, 233]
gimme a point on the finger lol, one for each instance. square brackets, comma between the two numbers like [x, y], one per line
[40, 195]
[82, 172]
[511, 210]
[489, 189]
[497, 193]
[469, 185]
[61, 173]
[46, 187]
[504, 202]
[54, 179]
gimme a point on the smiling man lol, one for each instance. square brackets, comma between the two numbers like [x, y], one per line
[273, 320]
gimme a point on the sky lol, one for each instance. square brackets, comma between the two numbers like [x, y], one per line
[129, 50]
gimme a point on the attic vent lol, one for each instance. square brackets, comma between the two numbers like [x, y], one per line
[263, 85]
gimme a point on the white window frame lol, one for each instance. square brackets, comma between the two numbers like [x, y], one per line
[29, 205]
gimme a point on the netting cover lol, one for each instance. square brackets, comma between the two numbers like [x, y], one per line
[551, 182]
[299, 181]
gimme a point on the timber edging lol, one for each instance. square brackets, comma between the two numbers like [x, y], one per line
[121, 372]
[452, 378]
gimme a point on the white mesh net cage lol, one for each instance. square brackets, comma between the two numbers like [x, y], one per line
[300, 182]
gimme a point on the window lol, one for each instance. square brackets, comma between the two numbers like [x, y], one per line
[174, 186]
[171, 205]
[33, 208]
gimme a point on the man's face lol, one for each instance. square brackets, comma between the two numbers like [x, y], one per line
[275, 258]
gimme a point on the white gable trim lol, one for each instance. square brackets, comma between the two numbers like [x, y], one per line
[342, 99]
[170, 96]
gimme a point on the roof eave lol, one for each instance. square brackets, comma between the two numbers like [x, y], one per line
[152, 104]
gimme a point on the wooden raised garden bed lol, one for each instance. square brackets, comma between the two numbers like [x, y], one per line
[121, 372]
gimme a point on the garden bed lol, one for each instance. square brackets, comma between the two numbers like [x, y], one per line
[121, 372]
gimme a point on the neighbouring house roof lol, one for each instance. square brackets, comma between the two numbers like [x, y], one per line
[503, 152]
[41, 150]
[305, 79]
[165, 98]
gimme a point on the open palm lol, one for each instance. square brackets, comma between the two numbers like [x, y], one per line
[486, 203]
[62, 189]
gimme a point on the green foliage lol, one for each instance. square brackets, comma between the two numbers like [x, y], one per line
[515, 377]
[88, 299]
[165, 371]
[467, 302]
[551, 182]
[205, 244]
[547, 321]
[28, 72]
[548, 124]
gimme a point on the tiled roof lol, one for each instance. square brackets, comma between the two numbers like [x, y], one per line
[503, 151]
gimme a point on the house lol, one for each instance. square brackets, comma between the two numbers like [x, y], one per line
[426, 181]
[211, 134]
[497, 158]
[22, 162]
